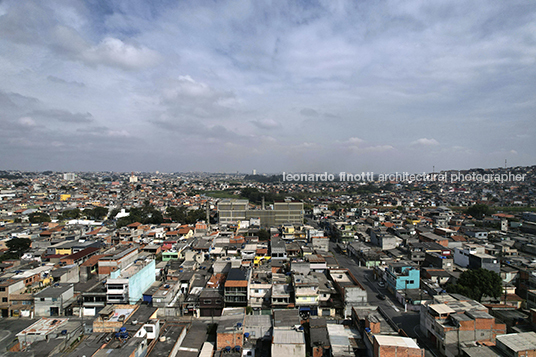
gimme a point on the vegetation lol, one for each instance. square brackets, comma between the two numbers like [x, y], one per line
[263, 235]
[39, 217]
[147, 214]
[96, 213]
[478, 211]
[477, 283]
[16, 247]
[69, 214]
[185, 216]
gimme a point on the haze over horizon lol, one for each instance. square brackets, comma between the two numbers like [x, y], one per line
[294, 86]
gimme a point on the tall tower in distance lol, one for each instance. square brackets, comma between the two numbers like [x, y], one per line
[254, 172]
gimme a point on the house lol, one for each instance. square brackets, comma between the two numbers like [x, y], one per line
[351, 291]
[211, 302]
[260, 288]
[54, 300]
[451, 321]
[306, 293]
[485, 261]
[402, 276]
[230, 331]
[236, 288]
[257, 329]
[278, 249]
[517, 344]
[288, 334]
[8, 287]
[461, 255]
[437, 260]
[320, 344]
[396, 346]
[117, 259]
[281, 290]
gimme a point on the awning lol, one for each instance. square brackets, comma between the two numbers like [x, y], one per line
[305, 309]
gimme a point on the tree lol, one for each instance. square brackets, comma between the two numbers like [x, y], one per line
[263, 235]
[39, 217]
[96, 213]
[476, 283]
[18, 245]
[479, 211]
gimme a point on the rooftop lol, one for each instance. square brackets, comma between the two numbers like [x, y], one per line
[518, 342]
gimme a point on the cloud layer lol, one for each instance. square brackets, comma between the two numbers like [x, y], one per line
[290, 86]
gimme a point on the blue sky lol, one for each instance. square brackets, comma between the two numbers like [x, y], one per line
[276, 86]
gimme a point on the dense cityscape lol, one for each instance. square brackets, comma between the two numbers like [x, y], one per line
[291, 178]
[201, 264]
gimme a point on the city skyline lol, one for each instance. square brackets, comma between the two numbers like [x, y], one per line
[285, 87]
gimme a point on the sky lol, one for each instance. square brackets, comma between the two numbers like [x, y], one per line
[275, 86]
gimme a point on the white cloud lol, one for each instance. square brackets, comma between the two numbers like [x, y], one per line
[27, 121]
[114, 52]
[425, 142]
[267, 124]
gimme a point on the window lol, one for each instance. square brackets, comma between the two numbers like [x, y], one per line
[2, 289]
[42, 299]
[207, 302]
[4, 299]
[14, 302]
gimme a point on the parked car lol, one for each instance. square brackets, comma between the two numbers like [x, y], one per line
[381, 284]
[381, 296]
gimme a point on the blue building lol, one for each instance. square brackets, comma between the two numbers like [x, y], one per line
[402, 276]
[126, 286]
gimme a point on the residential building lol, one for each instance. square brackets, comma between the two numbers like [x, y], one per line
[396, 346]
[236, 288]
[126, 286]
[402, 276]
[278, 249]
[260, 288]
[485, 261]
[8, 287]
[517, 344]
[351, 291]
[53, 300]
[437, 260]
[452, 321]
[211, 302]
[306, 289]
[461, 255]
[230, 331]
[288, 334]
[117, 259]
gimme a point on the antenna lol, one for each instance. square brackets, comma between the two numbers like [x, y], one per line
[505, 163]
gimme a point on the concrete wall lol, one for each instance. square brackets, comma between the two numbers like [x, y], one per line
[140, 282]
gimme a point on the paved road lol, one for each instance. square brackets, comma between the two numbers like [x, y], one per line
[407, 321]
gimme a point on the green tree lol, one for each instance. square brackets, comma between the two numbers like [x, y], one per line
[263, 235]
[69, 214]
[476, 283]
[18, 245]
[39, 217]
[479, 211]
[96, 213]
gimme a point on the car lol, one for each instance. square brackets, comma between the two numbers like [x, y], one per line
[381, 284]
[381, 296]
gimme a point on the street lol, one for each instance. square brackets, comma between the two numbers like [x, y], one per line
[407, 321]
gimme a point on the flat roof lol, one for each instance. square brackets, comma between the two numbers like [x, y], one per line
[441, 309]
[518, 342]
[398, 341]
[290, 337]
